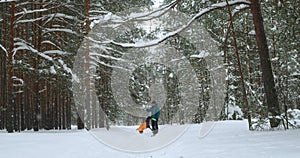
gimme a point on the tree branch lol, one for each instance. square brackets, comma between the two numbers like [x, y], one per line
[4, 50]
[173, 33]
[142, 16]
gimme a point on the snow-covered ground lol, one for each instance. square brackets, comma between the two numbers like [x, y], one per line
[225, 139]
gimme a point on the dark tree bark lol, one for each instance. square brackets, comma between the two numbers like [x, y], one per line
[101, 94]
[37, 43]
[55, 108]
[49, 112]
[27, 105]
[26, 108]
[80, 124]
[69, 112]
[37, 105]
[3, 71]
[19, 119]
[94, 111]
[267, 74]
[10, 92]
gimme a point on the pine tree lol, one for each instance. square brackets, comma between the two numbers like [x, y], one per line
[267, 75]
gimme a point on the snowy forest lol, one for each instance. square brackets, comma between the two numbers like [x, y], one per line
[47, 46]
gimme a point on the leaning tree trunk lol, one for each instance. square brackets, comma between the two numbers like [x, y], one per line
[267, 75]
[245, 99]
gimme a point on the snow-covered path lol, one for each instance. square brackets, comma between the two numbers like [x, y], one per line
[232, 139]
[229, 139]
[129, 140]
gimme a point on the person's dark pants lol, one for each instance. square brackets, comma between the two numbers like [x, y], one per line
[154, 123]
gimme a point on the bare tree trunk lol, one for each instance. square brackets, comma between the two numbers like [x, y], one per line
[3, 67]
[101, 96]
[285, 95]
[225, 50]
[55, 108]
[245, 100]
[10, 92]
[69, 112]
[37, 40]
[267, 75]
[27, 104]
[22, 88]
[94, 110]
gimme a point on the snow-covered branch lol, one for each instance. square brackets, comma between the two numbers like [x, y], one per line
[4, 50]
[239, 9]
[20, 81]
[173, 33]
[101, 62]
[139, 16]
[25, 11]
[29, 20]
[51, 43]
[154, 14]
[47, 30]
[58, 52]
[6, 1]
[23, 45]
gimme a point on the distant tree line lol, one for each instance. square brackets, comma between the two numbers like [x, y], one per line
[38, 41]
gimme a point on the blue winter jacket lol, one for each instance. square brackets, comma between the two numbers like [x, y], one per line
[155, 111]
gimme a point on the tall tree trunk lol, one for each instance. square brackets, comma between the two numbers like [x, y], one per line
[87, 68]
[3, 68]
[245, 99]
[55, 108]
[10, 92]
[267, 75]
[37, 43]
[94, 109]
[101, 110]
[69, 110]
[101, 94]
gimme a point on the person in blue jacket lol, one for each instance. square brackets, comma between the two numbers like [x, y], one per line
[155, 114]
